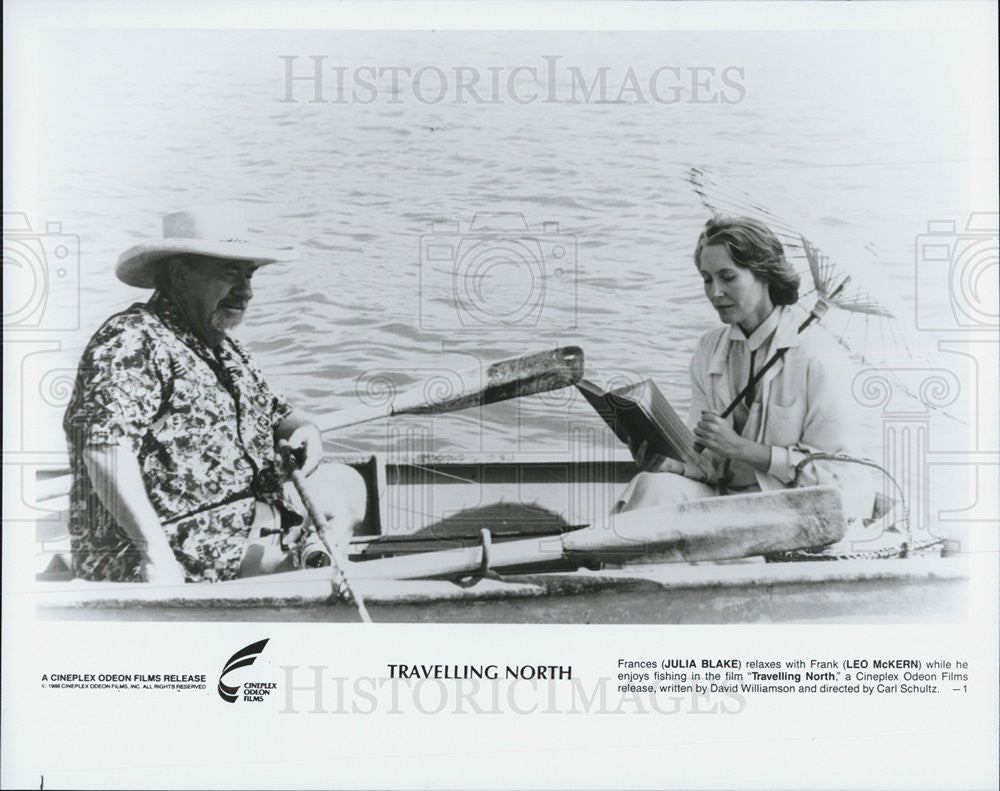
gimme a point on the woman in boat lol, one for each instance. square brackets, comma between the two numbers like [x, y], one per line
[801, 405]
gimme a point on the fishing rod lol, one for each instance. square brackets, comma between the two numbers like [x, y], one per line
[529, 374]
[337, 561]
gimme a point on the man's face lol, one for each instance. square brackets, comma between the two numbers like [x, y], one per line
[214, 293]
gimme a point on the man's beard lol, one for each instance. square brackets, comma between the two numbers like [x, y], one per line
[224, 319]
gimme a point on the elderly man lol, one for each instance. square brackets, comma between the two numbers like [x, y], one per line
[172, 427]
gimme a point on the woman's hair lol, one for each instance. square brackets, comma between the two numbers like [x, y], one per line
[753, 246]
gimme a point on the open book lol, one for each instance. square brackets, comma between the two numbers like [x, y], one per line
[641, 412]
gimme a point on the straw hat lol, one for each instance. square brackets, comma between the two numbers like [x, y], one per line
[219, 232]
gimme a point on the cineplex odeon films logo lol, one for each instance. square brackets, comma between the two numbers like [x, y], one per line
[430, 689]
[246, 691]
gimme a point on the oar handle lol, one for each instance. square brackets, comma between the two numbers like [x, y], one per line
[352, 416]
[337, 560]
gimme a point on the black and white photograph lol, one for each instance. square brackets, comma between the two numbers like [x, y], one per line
[392, 391]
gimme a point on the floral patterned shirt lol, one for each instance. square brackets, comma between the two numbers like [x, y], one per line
[199, 420]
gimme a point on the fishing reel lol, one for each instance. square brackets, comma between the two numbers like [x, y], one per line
[312, 554]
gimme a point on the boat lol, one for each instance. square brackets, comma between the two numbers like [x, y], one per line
[435, 521]
[518, 537]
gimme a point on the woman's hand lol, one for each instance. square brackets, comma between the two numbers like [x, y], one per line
[650, 461]
[719, 437]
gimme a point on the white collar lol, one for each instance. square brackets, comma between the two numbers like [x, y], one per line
[785, 336]
[760, 335]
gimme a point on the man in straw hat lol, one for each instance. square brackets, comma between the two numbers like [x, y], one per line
[172, 427]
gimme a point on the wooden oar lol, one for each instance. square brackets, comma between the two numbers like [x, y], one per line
[714, 528]
[521, 376]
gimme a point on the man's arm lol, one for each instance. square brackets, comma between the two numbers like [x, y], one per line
[117, 479]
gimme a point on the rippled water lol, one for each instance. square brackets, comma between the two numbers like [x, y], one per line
[139, 124]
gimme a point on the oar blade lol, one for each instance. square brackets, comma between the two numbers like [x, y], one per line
[534, 373]
[715, 528]
[522, 376]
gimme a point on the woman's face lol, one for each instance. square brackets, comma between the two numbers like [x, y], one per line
[736, 293]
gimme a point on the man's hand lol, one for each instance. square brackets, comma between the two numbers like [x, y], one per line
[308, 446]
[164, 573]
[303, 436]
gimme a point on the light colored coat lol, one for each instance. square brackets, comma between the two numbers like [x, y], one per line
[805, 405]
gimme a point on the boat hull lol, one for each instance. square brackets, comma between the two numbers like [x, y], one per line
[925, 589]
[440, 502]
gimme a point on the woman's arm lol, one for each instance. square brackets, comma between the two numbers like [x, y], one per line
[826, 420]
